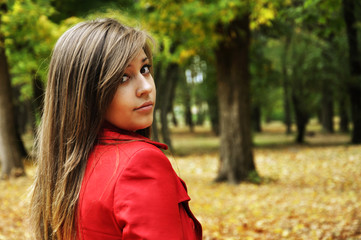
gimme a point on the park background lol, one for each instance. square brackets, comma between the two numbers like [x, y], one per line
[259, 101]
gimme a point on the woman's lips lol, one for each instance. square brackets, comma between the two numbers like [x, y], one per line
[145, 107]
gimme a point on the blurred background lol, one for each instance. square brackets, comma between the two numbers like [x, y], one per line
[259, 102]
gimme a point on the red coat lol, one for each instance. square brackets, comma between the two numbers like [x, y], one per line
[130, 191]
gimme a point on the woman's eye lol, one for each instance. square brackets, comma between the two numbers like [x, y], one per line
[124, 78]
[145, 69]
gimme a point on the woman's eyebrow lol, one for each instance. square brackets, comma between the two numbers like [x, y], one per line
[143, 60]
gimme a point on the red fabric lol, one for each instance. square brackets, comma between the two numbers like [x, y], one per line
[130, 191]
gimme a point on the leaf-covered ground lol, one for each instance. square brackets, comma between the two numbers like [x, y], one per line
[14, 206]
[310, 191]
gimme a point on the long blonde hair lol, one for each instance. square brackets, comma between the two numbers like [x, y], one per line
[86, 67]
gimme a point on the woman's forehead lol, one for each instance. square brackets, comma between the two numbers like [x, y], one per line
[141, 57]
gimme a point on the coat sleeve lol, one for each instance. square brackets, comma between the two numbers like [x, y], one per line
[146, 198]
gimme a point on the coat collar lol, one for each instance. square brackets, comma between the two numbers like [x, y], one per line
[111, 134]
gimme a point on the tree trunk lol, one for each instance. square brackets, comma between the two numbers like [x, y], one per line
[354, 84]
[22, 150]
[165, 83]
[232, 60]
[38, 92]
[155, 136]
[157, 76]
[187, 101]
[174, 117]
[301, 118]
[327, 108]
[214, 115]
[10, 154]
[187, 106]
[20, 110]
[164, 127]
[344, 119]
[212, 98]
[22, 113]
[167, 91]
[286, 91]
[200, 114]
[256, 119]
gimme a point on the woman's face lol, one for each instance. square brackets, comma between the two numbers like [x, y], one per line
[134, 100]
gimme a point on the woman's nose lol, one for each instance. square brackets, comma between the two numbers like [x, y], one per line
[145, 85]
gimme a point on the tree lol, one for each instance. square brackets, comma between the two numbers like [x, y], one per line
[286, 87]
[211, 97]
[28, 36]
[186, 95]
[10, 154]
[305, 87]
[313, 72]
[221, 27]
[165, 95]
[265, 81]
[354, 83]
[81, 8]
[167, 75]
[324, 19]
[232, 59]
[195, 91]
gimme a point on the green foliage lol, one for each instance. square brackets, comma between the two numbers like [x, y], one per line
[192, 25]
[83, 8]
[266, 89]
[322, 16]
[29, 39]
[309, 41]
[25, 27]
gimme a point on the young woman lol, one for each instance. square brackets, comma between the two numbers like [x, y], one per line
[99, 175]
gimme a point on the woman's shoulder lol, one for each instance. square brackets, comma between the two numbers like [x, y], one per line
[126, 149]
[121, 148]
[108, 161]
[118, 136]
